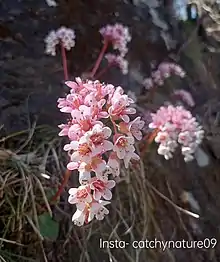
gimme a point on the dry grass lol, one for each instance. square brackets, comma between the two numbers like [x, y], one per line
[23, 190]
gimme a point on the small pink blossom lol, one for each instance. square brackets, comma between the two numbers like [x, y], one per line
[80, 196]
[63, 35]
[176, 125]
[82, 150]
[133, 128]
[101, 188]
[164, 70]
[67, 37]
[119, 107]
[185, 97]
[97, 137]
[124, 148]
[118, 61]
[119, 36]
[98, 209]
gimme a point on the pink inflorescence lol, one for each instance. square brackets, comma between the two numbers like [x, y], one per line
[165, 70]
[119, 36]
[176, 125]
[118, 61]
[96, 150]
[185, 96]
[63, 35]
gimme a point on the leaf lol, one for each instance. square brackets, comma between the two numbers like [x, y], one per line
[48, 227]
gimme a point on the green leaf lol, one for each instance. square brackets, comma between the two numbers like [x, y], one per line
[48, 227]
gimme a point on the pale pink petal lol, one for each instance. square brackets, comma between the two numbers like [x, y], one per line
[110, 184]
[73, 191]
[66, 109]
[72, 166]
[67, 147]
[81, 206]
[71, 84]
[72, 199]
[107, 145]
[97, 195]
[75, 156]
[120, 154]
[125, 118]
[130, 110]
[107, 194]
[107, 132]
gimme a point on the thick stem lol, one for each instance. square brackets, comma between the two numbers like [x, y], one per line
[99, 59]
[60, 190]
[65, 69]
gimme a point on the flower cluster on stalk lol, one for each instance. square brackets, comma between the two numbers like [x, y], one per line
[119, 36]
[63, 35]
[164, 70]
[176, 125]
[101, 134]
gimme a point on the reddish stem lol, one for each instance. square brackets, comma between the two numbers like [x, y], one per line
[114, 125]
[60, 190]
[99, 59]
[65, 70]
[104, 70]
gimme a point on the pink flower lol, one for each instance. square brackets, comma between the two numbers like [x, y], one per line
[80, 196]
[97, 165]
[176, 125]
[65, 129]
[64, 35]
[97, 138]
[82, 150]
[118, 61]
[114, 165]
[133, 128]
[124, 148]
[119, 107]
[102, 188]
[167, 69]
[99, 210]
[96, 210]
[164, 71]
[71, 102]
[185, 97]
[91, 148]
[118, 35]
[79, 217]
[67, 37]
[148, 83]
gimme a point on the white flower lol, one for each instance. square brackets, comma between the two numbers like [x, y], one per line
[67, 37]
[78, 218]
[51, 3]
[64, 35]
[98, 210]
[51, 41]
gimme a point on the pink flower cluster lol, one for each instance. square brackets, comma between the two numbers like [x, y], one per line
[64, 35]
[119, 36]
[176, 125]
[94, 149]
[118, 61]
[185, 97]
[165, 70]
